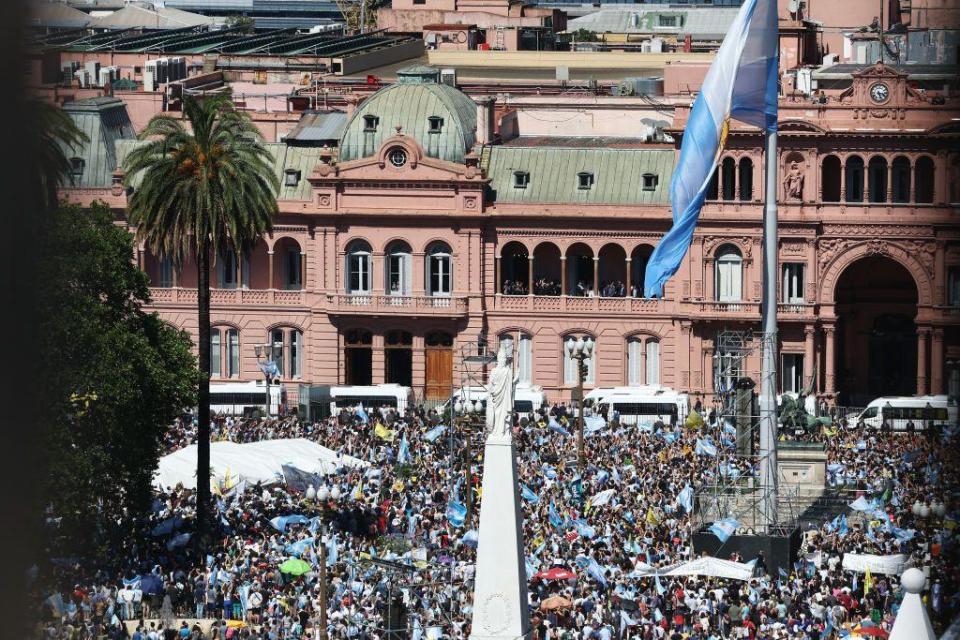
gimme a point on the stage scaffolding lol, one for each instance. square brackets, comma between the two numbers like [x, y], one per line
[735, 489]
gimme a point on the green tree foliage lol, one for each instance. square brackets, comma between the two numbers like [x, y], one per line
[201, 191]
[115, 377]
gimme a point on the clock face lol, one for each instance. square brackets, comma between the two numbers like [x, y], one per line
[879, 93]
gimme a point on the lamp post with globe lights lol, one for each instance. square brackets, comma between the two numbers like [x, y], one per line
[324, 497]
[581, 350]
[467, 420]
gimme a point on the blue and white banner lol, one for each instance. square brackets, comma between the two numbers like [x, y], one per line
[403, 455]
[528, 494]
[741, 84]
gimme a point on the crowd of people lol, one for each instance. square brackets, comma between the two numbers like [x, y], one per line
[396, 541]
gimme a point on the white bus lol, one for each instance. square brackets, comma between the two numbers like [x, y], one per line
[371, 397]
[242, 398]
[648, 403]
[898, 411]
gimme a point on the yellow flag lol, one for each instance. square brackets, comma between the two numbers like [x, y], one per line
[382, 432]
[397, 486]
[651, 516]
[867, 582]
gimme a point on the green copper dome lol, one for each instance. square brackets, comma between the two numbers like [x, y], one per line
[441, 118]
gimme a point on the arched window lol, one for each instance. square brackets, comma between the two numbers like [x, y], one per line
[830, 178]
[877, 179]
[746, 179]
[729, 274]
[924, 172]
[901, 180]
[439, 269]
[287, 343]
[523, 355]
[570, 364]
[399, 272]
[224, 352]
[854, 179]
[358, 267]
[728, 169]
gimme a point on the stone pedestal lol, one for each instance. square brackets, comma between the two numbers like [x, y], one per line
[500, 589]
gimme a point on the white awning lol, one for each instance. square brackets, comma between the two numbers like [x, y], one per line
[254, 462]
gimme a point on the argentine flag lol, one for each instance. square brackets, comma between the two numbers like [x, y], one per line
[741, 84]
[725, 528]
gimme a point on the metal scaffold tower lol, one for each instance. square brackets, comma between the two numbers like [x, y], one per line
[736, 488]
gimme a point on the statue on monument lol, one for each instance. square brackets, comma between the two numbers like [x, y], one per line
[502, 384]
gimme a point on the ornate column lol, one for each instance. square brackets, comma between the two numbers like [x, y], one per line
[563, 275]
[530, 274]
[686, 328]
[498, 289]
[830, 364]
[922, 333]
[843, 180]
[270, 269]
[643, 362]
[596, 276]
[303, 270]
[912, 195]
[936, 362]
[939, 275]
[890, 183]
[809, 332]
[629, 282]
[709, 281]
[378, 275]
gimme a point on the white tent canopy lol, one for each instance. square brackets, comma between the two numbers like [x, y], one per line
[712, 567]
[892, 565]
[254, 462]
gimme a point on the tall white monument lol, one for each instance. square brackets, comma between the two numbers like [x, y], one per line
[912, 621]
[500, 588]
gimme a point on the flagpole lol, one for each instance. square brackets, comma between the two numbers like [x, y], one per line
[768, 370]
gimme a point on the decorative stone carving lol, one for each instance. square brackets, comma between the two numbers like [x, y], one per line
[793, 182]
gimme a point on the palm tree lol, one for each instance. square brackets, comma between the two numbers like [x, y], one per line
[56, 133]
[201, 192]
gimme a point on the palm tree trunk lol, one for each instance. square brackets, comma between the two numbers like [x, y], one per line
[203, 400]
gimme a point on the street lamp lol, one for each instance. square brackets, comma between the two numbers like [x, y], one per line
[581, 350]
[265, 360]
[467, 414]
[323, 494]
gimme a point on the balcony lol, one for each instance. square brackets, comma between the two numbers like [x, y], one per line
[383, 305]
[578, 304]
[229, 297]
[739, 310]
[794, 310]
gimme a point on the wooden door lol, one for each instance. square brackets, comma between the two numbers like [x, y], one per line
[439, 373]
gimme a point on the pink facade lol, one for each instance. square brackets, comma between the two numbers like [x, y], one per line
[391, 261]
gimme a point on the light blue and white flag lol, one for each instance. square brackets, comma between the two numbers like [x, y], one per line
[741, 84]
[528, 494]
[554, 517]
[705, 448]
[602, 498]
[433, 434]
[725, 528]
[403, 455]
[685, 499]
[362, 414]
[456, 513]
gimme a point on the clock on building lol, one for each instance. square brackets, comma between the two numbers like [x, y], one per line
[879, 93]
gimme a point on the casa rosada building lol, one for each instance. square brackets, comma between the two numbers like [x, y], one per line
[423, 231]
